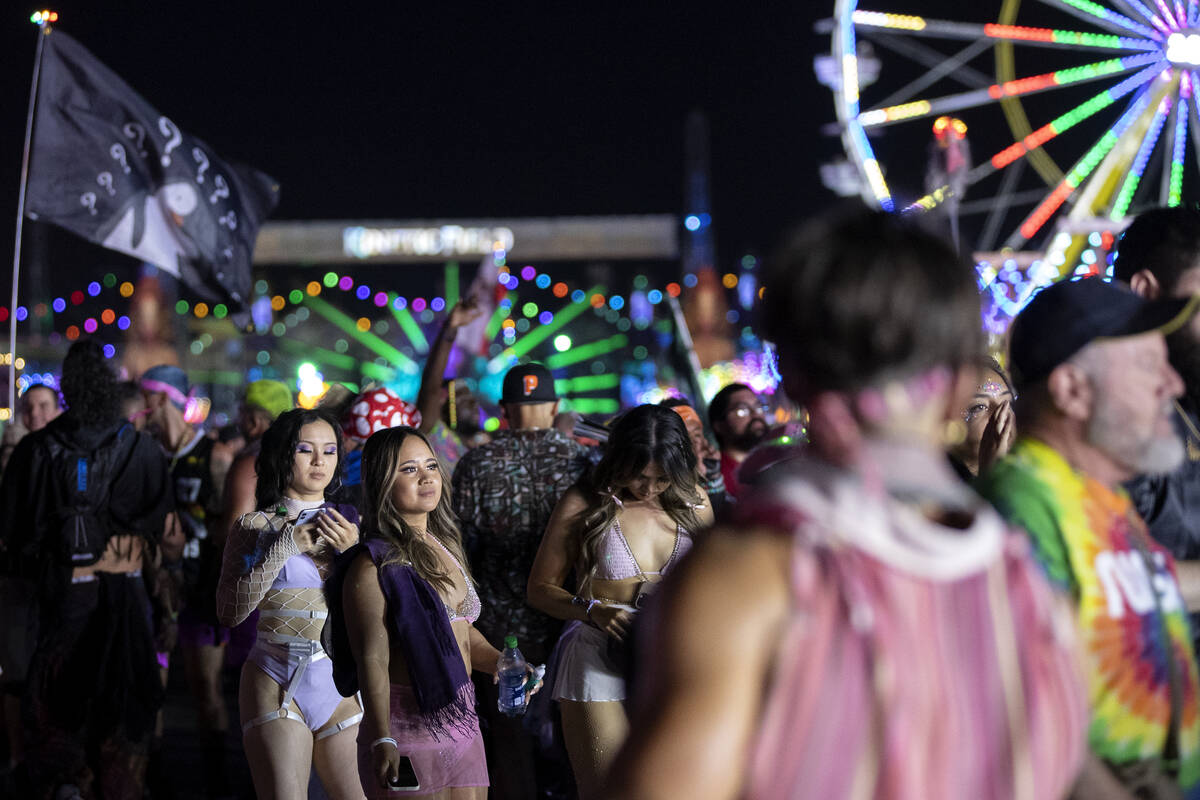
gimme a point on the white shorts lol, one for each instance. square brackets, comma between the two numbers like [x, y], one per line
[583, 670]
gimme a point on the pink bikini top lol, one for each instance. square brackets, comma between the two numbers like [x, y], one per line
[298, 572]
[616, 558]
[470, 606]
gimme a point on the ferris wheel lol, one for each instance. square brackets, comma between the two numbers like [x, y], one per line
[1078, 113]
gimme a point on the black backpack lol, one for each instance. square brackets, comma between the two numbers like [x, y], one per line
[83, 480]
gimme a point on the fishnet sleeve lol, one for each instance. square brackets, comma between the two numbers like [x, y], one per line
[254, 554]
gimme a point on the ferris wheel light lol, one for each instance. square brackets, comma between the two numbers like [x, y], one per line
[879, 19]
[1184, 48]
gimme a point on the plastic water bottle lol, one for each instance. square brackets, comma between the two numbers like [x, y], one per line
[512, 678]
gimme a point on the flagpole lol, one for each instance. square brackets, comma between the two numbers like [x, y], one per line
[41, 18]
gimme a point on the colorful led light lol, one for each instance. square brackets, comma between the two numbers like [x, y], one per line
[1081, 170]
[877, 19]
[410, 327]
[1175, 190]
[1134, 176]
[1073, 117]
[1111, 16]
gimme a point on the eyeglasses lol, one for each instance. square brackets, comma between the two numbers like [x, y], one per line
[741, 410]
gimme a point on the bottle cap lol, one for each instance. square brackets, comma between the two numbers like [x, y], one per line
[510, 642]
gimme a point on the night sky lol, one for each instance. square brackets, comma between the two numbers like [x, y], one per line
[402, 110]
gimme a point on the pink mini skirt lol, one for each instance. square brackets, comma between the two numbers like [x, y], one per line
[451, 760]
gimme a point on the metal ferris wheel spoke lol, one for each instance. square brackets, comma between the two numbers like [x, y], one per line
[1042, 37]
[1194, 115]
[926, 56]
[1044, 134]
[1103, 17]
[1078, 174]
[1008, 184]
[1174, 182]
[1132, 178]
[917, 109]
[1135, 8]
[948, 65]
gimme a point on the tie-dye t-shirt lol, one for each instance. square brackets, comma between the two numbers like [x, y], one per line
[1091, 543]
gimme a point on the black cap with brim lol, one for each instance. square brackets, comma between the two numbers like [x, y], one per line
[528, 383]
[1066, 316]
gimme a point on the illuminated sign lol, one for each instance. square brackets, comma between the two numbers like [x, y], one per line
[446, 240]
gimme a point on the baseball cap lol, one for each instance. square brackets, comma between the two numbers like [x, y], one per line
[528, 383]
[170, 379]
[274, 397]
[1066, 316]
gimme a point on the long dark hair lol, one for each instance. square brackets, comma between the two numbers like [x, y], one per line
[645, 434]
[380, 517]
[89, 384]
[278, 453]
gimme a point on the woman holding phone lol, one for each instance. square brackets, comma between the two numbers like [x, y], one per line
[620, 535]
[409, 605]
[276, 561]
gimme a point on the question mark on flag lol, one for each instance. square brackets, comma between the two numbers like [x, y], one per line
[169, 130]
[118, 153]
[222, 189]
[88, 200]
[202, 160]
[105, 179]
[137, 132]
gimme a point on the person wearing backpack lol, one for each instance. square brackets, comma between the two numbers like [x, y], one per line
[83, 501]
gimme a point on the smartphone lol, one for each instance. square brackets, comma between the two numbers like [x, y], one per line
[308, 515]
[406, 777]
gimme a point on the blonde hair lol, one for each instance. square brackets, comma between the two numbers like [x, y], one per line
[381, 518]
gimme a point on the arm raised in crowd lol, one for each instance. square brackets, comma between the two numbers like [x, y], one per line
[429, 397]
[715, 635]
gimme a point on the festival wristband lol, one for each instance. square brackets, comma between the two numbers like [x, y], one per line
[385, 740]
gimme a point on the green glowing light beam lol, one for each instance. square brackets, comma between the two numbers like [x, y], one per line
[319, 354]
[451, 275]
[586, 383]
[409, 325]
[367, 339]
[498, 316]
[591, 405]
[584, 352]
[540, 334]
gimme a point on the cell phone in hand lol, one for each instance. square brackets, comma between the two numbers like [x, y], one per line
[406, 777]
[308, 515]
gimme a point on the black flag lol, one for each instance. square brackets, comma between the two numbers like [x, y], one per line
[107, 166]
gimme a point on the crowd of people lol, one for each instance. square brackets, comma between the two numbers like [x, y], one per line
[972, 578]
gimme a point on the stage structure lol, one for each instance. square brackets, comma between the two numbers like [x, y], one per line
[317, 243]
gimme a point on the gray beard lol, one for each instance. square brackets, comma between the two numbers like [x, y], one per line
[1108, 432]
